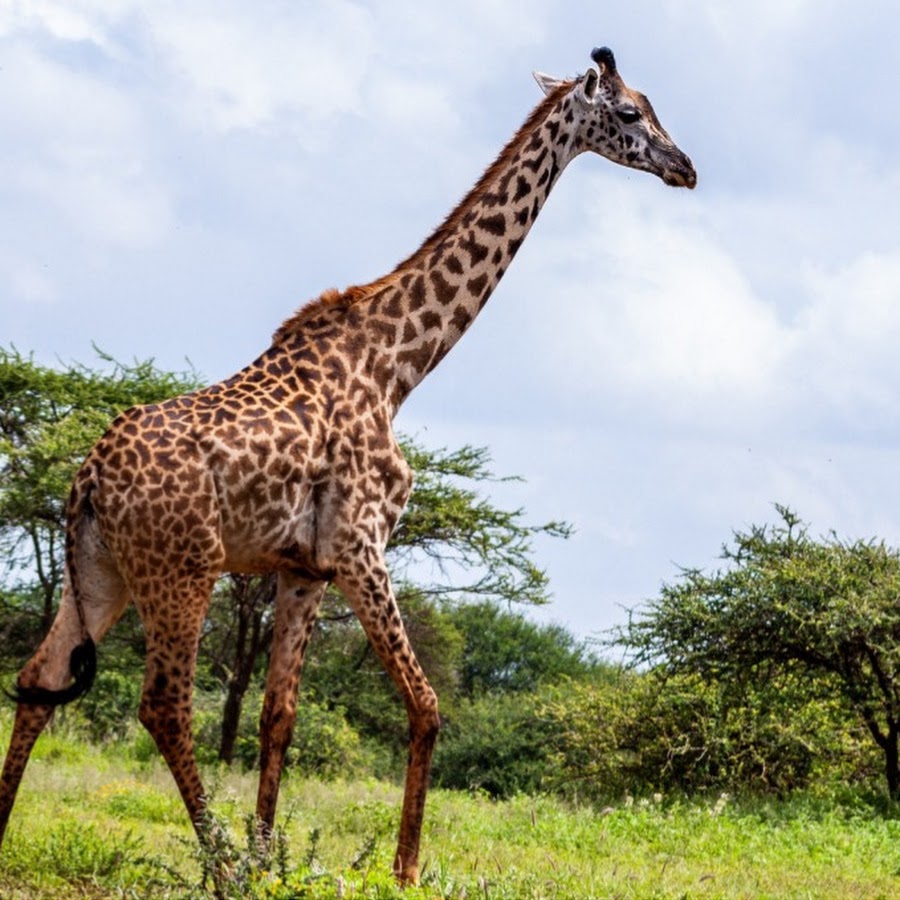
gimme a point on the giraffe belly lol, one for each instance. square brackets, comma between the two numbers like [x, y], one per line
[265, 530]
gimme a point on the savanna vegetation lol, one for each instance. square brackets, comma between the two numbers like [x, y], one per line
[747, 746]
[104, 821]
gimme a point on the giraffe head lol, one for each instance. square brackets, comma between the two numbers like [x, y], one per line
[619, 123]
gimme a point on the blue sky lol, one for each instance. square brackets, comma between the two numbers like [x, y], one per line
[661, 366]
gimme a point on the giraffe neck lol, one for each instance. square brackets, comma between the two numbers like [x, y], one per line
[413, 316]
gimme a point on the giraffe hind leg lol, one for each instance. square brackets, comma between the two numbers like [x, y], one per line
[64, 654]
[296, 605]
[34, 711]
[29, 723]
[172, 613]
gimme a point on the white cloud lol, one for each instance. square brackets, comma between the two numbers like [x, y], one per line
[651, 307]
[385, 64]
[241, 72]
[735, 22]
[78, 147]
[422, 107]
[68, 20]
[761, 37]
[846, 364]
[470, 39]
[648, 303]
[26, 281]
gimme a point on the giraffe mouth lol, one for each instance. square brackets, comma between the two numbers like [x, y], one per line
[681, 174]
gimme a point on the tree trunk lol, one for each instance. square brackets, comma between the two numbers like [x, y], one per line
[251, 597]
[237, 687]
[48, 575]
[892, 761]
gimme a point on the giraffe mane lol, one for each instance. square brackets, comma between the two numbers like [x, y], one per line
[334, 299]
[450, 224]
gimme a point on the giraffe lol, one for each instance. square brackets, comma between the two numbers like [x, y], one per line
[291, 466]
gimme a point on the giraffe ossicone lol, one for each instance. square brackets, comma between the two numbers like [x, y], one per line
[291, 466]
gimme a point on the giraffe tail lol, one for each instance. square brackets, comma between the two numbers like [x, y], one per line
[83, 659]
[82, 665]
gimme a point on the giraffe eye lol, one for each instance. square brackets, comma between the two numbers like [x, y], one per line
[628, 114]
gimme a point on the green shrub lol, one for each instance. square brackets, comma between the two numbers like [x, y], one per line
[495, 744]
[73, 852]
[109, 709]
[324, 745]
[646, 733]
[132, 799]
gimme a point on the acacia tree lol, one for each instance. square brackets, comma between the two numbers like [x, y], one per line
[825, 612]
[477, 549]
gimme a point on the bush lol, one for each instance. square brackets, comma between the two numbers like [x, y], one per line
[324, 744]
[109, 709]
[495, 744]
[647, 733]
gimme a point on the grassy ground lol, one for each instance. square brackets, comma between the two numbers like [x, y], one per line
[97, 823]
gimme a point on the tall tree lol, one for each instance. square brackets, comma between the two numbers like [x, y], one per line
[822, 611]
[245, 616]
[505, 652]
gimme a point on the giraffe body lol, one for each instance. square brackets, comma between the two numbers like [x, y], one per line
[292, 466]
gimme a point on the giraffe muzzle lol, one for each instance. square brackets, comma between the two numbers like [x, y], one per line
[680, 172]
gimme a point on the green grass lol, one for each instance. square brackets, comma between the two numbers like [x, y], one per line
[95, 823]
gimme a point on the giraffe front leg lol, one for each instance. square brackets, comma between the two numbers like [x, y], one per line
[370, 594]
[166, 712]
[296, 605]
[424, 724]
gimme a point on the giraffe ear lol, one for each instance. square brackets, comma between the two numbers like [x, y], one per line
[589, 84]
[547, 83]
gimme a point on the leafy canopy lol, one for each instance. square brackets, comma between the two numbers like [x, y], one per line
[448, 524]
[824, 611]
